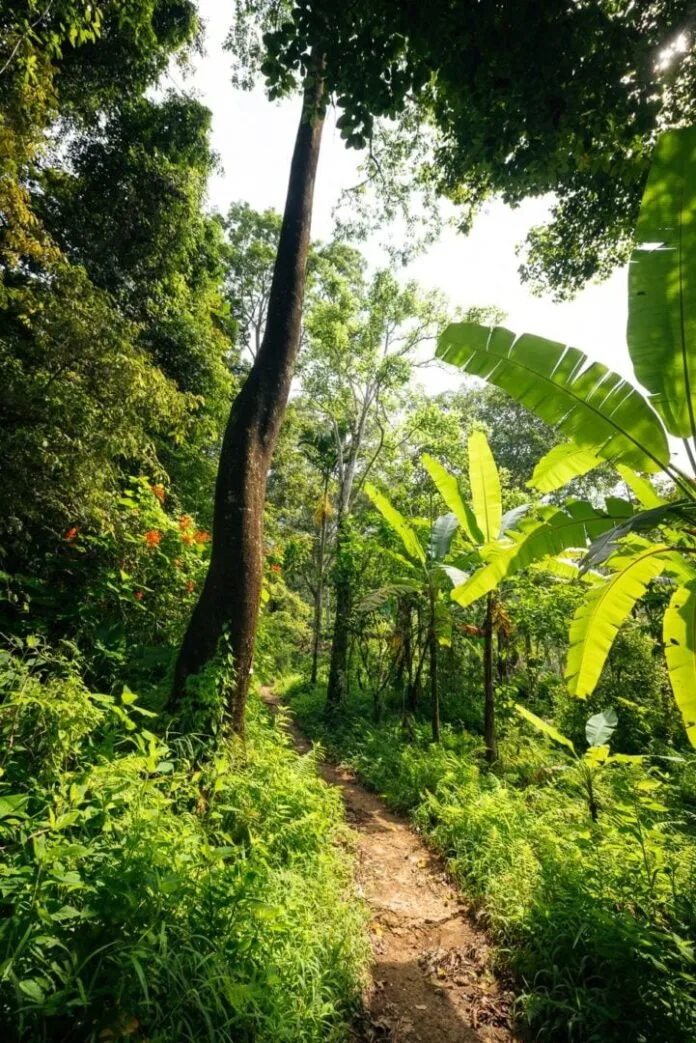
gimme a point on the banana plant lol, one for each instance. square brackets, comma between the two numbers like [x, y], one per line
[598, 731]
[427, 575]
[607, 419]
[483, 526]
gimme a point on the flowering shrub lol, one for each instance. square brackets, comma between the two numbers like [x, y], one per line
[130, 585]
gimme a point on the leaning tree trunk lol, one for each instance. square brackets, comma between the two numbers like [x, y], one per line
[488, 696]
[230, 597]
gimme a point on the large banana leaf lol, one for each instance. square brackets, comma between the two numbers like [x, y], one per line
[448, 488]
[398, 523]
[441, 536]
[558, 529]
[560, 465]
[590, 404]
[662, 284]
[485, 486]
[604, 610]
[680, 651]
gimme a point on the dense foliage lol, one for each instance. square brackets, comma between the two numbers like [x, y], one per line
[484, 599]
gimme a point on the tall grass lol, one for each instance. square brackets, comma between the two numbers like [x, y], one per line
[160, 890]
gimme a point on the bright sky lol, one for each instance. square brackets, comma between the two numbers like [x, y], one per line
[254, 139]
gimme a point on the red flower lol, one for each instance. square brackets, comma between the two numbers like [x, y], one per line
[71, 534]
[153, 538]
[201, 537]
[139, 595]
[190, 586]
[158, 491]
[187, 538]
[185, 522]
[276, 569]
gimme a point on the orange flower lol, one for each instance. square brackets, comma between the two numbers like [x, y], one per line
[201, 537]
[139, 595]
[153, 538]
[158, 491]
[71, 534]
[276, 569]
[185, 522]
[190, 586]
[187, 538]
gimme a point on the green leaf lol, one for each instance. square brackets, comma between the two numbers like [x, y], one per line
[485, 487]
[560, 465]
[559, 529]
[441, 536]
[376, 598]
[446, 485]
[662, 284]
[606, 608]
[542, 726]
[31, 988]
[600, 727]
[397, 521]
[641, 487]
[642, 521]
[589, 403]
[679, 635]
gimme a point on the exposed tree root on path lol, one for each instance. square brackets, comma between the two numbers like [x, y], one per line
[431, 977]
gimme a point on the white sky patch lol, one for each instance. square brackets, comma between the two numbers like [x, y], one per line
[254, 139]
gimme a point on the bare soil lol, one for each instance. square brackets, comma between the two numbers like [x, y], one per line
[431, 977]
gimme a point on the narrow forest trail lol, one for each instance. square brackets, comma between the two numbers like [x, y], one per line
[431, 977]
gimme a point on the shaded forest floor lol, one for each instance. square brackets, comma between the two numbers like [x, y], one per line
[431, 971]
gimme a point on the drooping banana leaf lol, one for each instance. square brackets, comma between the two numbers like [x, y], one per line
[590, 404]
[640, 487]
[662, 284]
[441, 536]
[543, 726]
[679, 634]
[598, 618]
[560, 465]
[485, 486]
[558, 529]
[643, 521]
[398, 523]
[448, 488]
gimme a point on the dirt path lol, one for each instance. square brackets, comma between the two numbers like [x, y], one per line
[431, 980]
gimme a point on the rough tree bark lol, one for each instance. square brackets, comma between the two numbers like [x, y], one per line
[488, 695]
[230, 596]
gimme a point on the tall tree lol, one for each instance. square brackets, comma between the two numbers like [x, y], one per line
[501, 123]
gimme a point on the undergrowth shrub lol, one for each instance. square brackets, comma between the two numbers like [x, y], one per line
[164, 889]
[596, 920]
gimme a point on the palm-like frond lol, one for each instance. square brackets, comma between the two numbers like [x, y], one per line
[590, 404]
[597, 620]
[662, 284]
[484, 480]
[679, 635]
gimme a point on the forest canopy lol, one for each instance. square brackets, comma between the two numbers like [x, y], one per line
[299, 553]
